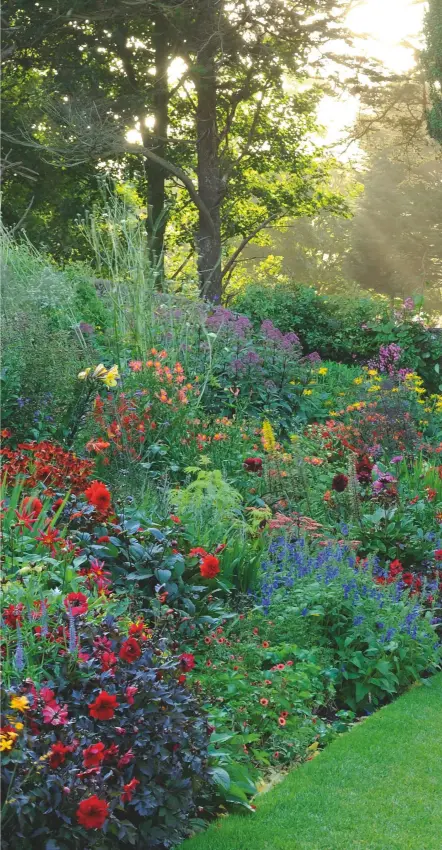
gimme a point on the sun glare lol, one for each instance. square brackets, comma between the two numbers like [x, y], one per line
[392, 29]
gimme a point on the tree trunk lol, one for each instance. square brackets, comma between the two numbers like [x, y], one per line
[156, 176]
[209, 185]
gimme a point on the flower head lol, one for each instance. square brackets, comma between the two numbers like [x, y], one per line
[76, 603]
[19, 704]
[98, 495]
[92, 813]
[103, 707]
[130, 650]
[209, 566]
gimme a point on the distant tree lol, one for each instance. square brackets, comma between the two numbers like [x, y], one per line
[433, 64]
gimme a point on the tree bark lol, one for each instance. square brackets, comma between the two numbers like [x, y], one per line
[156, 176]
[208, 170]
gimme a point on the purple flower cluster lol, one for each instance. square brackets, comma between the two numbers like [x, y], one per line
[285, 341]
[235, 323]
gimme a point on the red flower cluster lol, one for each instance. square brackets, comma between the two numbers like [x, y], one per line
[53, 713]
[58, 753]
[396, 573]
[209, 564]
[48, 464]
[253, 464]
[98, 495]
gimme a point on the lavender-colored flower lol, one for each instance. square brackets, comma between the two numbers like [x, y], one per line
[397, 459]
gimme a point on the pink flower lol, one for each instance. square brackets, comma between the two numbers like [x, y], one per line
[126, 759]
[55, 714]
[129, 693]
[135, 365]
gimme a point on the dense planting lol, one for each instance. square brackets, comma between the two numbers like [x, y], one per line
[220, 550]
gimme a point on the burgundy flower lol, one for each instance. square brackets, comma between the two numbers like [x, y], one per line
[253, 464]
[340, 482]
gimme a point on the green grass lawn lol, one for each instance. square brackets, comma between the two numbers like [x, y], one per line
[377, 787]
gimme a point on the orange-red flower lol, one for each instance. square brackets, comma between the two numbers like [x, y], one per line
[98, 495]
[209, 566]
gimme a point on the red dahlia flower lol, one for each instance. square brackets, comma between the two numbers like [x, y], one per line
[92, 813]
[103, 707]
[209, 566]
[128, 790]
[130, 650]
[198, 551]
[98, 495]
[340, 482]
[438, 554]
[94, 755]
[58, 754]
[187, 662]
[76, 603]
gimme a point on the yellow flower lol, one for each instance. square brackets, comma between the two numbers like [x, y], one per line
[100, 371]
[111, 376]
[372, 372]
[323, 370]
[358, 381]
[333, 413]
[308, 392]
[294, 437]
[19, 726]
[84, 374]
[19, 703]
[268, 436]
[374, 389]
[6, 742]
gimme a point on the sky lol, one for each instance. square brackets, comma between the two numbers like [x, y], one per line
[390, 32]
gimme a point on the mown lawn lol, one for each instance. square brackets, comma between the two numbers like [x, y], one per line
[378, 787]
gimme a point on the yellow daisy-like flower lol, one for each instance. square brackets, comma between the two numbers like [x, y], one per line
[323, 370]
[111, 377]
[294, 438]
[372, 372]
[358, 381]
[19, 703]
[308, 392]
[374, 389]
[332, 413]
[19, 726]
[6, 742]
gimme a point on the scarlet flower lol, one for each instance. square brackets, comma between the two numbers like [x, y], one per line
[407, 578]
[340, 482]
[209, 567]
[438, 554]
[138, 628]
[108, 660]
[58, 753]
[13, 615]
[265, 644]
[187, 662]
[128, 790]
[93, 755]
[175, 519]
[103, 707]
[92, 813]
[98, 495]
[76, 603]
[130, 650]
[31, 506]
[49, 538]
[181, 679]
[104, 539]
[431, 493]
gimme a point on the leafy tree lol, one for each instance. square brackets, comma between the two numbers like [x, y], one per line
[433, 63]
